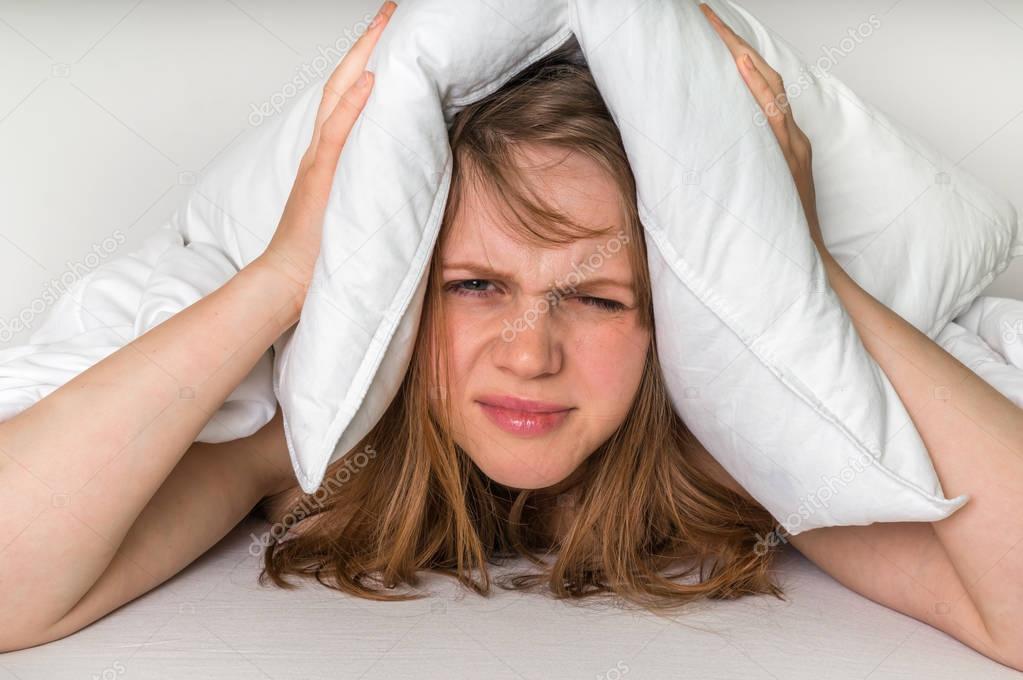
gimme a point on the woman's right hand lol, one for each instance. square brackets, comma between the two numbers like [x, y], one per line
[292, 252]
[768, 89]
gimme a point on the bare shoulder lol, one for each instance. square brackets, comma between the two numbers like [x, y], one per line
[290, 507]
[274, 507]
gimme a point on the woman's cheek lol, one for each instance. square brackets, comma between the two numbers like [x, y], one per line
[466, 333]
[613, 358]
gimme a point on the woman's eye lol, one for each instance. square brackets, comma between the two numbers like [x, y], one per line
[457, 287]
[478, 288]
[602, 303]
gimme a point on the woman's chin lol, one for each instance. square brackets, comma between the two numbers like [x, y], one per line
[523, 479]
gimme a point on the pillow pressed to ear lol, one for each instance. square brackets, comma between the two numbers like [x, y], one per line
[759, 356]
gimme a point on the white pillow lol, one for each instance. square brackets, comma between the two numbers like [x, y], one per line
[760, 357]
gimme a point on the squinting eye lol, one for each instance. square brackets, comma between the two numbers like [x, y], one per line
[461, 288]
[601, 303]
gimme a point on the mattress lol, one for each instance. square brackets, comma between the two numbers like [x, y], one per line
[214, 621]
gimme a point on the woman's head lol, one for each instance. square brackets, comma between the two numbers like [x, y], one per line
[538, 290]
[540, 281]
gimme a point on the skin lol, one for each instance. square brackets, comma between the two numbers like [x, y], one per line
[559, 353]
[139, 500]
[963, 574]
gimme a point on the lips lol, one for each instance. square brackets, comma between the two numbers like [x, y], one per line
[524, 417]
[517, 404]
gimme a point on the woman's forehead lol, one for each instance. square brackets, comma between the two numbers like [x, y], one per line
[487, 231]
[485, 250]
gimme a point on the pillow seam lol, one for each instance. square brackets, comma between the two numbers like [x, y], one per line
[767, 360]
[405, 292]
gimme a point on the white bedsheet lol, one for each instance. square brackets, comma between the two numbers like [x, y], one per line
[988, 338]
[214, 621]
[118, 302]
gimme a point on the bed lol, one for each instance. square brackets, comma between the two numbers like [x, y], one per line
[214, 621]
[146, 95]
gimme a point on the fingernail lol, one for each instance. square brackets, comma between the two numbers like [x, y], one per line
[381, 13]
[747, 62]
[363, 79]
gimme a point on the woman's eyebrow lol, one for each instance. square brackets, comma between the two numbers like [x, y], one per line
[477, 268]
[486, 271]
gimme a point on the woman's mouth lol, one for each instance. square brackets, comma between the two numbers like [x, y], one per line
[524, 423]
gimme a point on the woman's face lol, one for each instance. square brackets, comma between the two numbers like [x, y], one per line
[556, 325]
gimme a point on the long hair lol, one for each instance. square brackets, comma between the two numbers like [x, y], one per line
[407, 498]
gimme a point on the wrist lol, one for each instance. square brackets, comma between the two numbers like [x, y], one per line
[282, 294]
[831, 266]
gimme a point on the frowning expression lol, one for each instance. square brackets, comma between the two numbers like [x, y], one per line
[545, 345]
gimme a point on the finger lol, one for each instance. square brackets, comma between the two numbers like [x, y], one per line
[352, 65]
[738, 47]
[741, 49]
[335, 130]
[765, 96]
[355, 60]
[732, 39]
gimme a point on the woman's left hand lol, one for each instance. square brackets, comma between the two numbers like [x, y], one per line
[769, 90]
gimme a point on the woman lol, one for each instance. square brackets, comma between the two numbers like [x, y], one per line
[532, 420]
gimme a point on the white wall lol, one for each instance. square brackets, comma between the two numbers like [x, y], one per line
[109, 109]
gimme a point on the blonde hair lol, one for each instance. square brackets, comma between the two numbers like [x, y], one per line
[642, 506]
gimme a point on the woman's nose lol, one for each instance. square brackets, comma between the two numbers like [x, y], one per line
[527, 345]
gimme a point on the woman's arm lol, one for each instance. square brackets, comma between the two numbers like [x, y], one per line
[211, 489]
[78, 467]
[969, 571]
[964, 574]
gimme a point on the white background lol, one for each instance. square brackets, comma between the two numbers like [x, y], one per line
[110, 108]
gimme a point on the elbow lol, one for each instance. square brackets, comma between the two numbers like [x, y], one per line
[14, 643]
[1012, 659]
[1009, 650]
[16, 639]
[1005, 644]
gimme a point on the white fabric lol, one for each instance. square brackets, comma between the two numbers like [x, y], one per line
[988, 339]
[114, 304]
[213, 621]
[760, 358]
